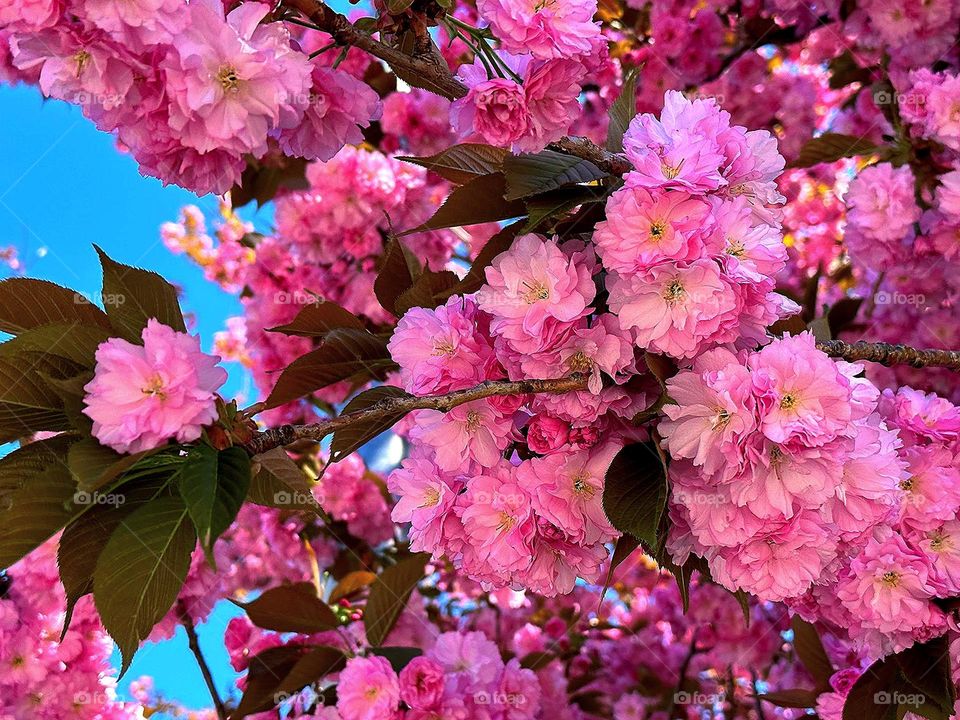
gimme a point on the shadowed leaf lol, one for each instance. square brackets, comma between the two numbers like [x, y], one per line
[26, 303]
[635, 493]
[317, 319]
[353, 436]
[479, 201]
[291, 608]
[462, 163]
[535, 173]
[389, 596]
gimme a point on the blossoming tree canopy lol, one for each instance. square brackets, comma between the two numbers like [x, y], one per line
[660, 296]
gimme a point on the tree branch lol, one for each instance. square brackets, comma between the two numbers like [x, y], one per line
[194, 643]
[425, 68]
[287, 434]
[887, 354]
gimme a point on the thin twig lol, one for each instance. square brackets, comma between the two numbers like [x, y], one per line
[389, 407]
[887, 354]
[194, 643]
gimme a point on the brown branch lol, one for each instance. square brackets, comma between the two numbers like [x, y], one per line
[425, 68]
[887, 354]
[287, 434]
[581, 147]
[194, 644]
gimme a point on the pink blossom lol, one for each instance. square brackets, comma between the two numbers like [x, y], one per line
[552, 88]
[150, 22]
[29, 15]
[339, 105]
[941, 545]
[546, 30]
[473, 431]
[422, 684]
[368, 689]
[495, 108]
[143, 396]
[546, 434]
[881, 212]
[427, 496]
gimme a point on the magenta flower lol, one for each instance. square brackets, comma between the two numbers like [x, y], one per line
[475, 431]
[368, 689]
[422, 683]
[552, 29]
[144, 395]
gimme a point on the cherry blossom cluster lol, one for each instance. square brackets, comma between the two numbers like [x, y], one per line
[189, 91]
[691, 243]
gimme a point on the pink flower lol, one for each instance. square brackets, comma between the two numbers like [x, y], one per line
[644, 228]
[473, 431]
[567, 491]
[801, 392]
[498, 519]
[675, 310]
[924, 415]
[558, 562]
[495, 108]
[339, 105]
[442, 349]
[881, 212]
[368, 689]
[148, 22]
[422, 683]
[142, 396]
[941, 545]
[427, 495]
[544, 29]
[552, 89]
[29, 15]
[233, 81]
[948, 195]
[713, 414]
[529, 286]
[546, 434]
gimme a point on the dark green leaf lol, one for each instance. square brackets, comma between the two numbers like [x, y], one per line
[280, 483]
[312, 667]
[809, 648]
[261, 182]
[399, 270]
[317, 319]
[926, 667]
[291, 608]
[353, 436]
[265, 673]
[845, 70]
[140, 571]
[36, 496]
[27, 403]
[26, 303]
[557, 203]
[842, 314]
[74, 342]
[429, 290]
[389, 596]
[344, 354]
[132, 296]
[537, 660]
[398, 657]
[792, 698]
[622, 111]
[462, 163]
[479, 201]
[535, 173]
[635, 493]
[831, 147]
[214, 485]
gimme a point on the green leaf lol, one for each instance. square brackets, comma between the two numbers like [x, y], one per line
[537, 660]
[389, 596]
[291, 608]
[623, 549]
[262, 181]
[429, 290]
[317, 319]
[27, 403]
[926, 668]
[844, 70]
[312, 667]
[831, 147]
[398, 271]
[559, 202]
[214, 485]
[132, 296]
[140, 571]
[344, 354]
[635, 493]
[479, 201]
[265, 672]
[26, 303]
[810, 650]
[73, 341]
[462, 163]
[535, 173]
[36, 496]
[279, 482]
[84, 538]
[622, 111]
[398, 657]
[791, 698]
[353, 436]
[397, 7]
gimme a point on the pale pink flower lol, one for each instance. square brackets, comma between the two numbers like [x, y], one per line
[942, 548]
[675, 310]
[474, 431]
[881, 213]
[143, 396]
[567, 490]
[233, 81]
[338, 106]
[368, 689]
[555, 29]
[29, 15]
[495, 108]
[948, 195]
[552, 89]
[442, 349]
[646, 227]
[558, 562]
[145, 22]
[426, 495]
[531, 284]
[932, 488]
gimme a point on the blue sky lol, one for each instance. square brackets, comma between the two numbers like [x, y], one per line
[63, 187]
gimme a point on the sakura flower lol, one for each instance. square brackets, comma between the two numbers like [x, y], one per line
[30, 15]
[554, 29]
[427, 496]
[941, 545]
[494, 108]
[552, 89]
[558, 562]
[473, 431]
[567, 490]
[143, 396]
[546, 434]
[421, 683]
[368, 689]
[882, 211]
